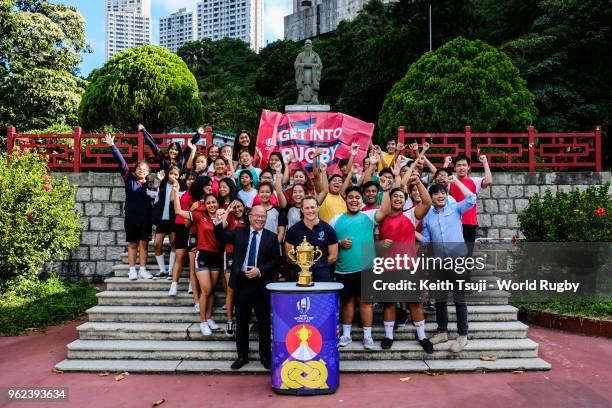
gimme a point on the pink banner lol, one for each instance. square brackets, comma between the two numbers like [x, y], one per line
[297, 135]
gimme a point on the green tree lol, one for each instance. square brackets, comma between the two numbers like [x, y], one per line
[37, 219]
[40, 44]
[567, 63]
[366, 56]
[275, 76]
[463, 82]
[225, 72]
[146, 84]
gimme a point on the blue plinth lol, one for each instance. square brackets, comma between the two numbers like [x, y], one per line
[305, 358]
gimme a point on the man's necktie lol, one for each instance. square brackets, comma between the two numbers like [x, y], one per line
[252, 260]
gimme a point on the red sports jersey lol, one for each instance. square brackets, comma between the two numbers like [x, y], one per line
[473, 184]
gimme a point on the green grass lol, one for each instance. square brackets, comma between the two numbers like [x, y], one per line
[30, 303]
[599, 310]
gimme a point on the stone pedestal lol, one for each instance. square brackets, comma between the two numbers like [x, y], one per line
[307, 108]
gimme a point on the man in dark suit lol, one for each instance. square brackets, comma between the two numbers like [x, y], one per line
[255, 257]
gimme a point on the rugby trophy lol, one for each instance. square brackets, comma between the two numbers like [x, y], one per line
[304, 256]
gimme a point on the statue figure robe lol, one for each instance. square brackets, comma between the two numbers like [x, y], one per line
[308, 68]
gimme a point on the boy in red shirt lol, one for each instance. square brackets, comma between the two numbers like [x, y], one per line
[474, 184]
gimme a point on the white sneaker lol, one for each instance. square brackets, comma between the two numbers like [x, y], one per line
[344, 341]
[196, 306]
[173, 288]
[144, 274]
[169, 277]
[212, 324]
[368, 343]
[132, 274]
[205, 329]
[437, 338]
[459, 343]
[190, 290]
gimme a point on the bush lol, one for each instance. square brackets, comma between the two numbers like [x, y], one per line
[38, 222]
[146, 84]
[569, 217]
[28, 303]
[461, 83]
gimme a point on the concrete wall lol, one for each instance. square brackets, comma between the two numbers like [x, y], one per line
[100, 198]
[323, 17]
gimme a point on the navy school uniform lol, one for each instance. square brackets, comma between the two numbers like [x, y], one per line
[163, 160]
[138, 203]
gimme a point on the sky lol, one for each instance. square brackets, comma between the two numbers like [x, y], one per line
[93, 12]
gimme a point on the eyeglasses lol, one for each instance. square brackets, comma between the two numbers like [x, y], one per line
[258, 217]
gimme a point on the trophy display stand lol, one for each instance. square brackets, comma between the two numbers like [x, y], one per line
[305, 357]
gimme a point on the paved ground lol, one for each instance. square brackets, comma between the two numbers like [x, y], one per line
[581, 377]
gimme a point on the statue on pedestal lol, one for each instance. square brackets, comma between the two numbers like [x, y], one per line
[307, 75]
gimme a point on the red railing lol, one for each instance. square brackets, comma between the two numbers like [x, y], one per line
[79, 152]
[530, 150]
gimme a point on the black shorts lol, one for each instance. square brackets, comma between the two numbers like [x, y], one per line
[181, 236]
[208, 260]
[164, 227]
[137, 229]
[352, 285]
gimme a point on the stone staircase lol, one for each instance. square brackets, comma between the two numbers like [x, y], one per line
[136, 327]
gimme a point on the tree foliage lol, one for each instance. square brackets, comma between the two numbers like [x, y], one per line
[462, 82]
[40, 44]
[38, 222]
[146, 84]
[567, 63]
[225, 72]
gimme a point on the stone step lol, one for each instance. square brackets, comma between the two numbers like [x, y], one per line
[151, 298]
[372, 366]
[124, 284]
[122, 270]
[161, 298]
[186, 314]
[225, 350]
[191, 331]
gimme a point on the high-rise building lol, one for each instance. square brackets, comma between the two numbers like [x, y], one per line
[241, 19]
[128, 24]
[177, 29]
[311, 18]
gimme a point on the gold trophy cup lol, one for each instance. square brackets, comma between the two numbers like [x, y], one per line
[304, 256]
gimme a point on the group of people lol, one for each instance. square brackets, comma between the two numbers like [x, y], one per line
[227, 217]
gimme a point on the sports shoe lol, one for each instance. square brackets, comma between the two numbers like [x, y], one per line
[196, 306]
[169, 277]
[430, 306]
[173, 288]
[426, 344]
[368, 343]
[160, 275]
[205, 329]
[144, 274]
[458, 344]
[386, 343]
[132, 274]
[229, 329]
[212, 324]
[344, 341]
[439, 338]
